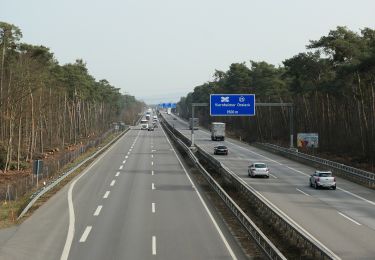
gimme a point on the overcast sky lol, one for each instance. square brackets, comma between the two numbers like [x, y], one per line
[159, 50]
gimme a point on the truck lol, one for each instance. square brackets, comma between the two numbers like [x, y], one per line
[196, 123]
[144, 124]
[217, 131]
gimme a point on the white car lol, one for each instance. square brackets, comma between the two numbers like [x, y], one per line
[322, 179]
[258, 169]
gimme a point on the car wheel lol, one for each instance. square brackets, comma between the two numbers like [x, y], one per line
[334, 187]
[267, 176]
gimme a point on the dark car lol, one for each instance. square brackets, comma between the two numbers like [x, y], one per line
[221, 149]
[150, 128]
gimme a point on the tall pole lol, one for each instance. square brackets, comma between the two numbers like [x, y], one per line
[192, 125]
[291, 125]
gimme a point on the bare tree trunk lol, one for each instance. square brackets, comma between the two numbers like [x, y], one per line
[19, 139]
[32, 136]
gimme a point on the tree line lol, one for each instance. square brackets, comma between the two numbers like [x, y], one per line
[45, 105]
[332, 87]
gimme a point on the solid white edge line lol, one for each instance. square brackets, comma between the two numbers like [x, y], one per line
[106, 194]
[153, 207]
[348, 218]
[85, 234]
[71, 228]
[303, 192]
[112, 182]
[117, 174]
[153, 245]
[97, 211]
[204, 205]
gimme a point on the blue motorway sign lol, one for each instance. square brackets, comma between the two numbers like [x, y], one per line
[232, 104]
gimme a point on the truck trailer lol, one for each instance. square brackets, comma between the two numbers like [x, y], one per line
[217, 131]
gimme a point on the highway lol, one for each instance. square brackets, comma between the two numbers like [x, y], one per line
[136, 201]
[342, 220]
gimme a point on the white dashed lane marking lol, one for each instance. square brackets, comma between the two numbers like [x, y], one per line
[85, 234]
[97, 211]
[106, 194]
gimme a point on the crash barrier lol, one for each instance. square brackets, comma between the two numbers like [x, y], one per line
[364, 177]
[52, 183]
[280, 221]
[265, 244]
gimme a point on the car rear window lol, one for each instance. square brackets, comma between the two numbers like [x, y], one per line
[222, 147]
[260, 165]
[325, 174]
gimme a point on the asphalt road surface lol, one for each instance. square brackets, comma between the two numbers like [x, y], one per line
[134, 202]
[342, 220]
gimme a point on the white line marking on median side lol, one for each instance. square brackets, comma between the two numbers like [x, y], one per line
[152, 156]
[120, 168]
[152, 162]
[85, 234]
[98, 209]
[152, 186]
[106, 194]
[153, 245]
[124, 161]
[117, 174]
[126, 157]
[153, 207]
[303, 192]
[348, 218]
[152, 172]
[113, 182]
[205, 206]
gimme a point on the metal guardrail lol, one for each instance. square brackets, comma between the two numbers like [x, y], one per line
[36, 195]
[277, 218]
[270, 250]
[365, 177]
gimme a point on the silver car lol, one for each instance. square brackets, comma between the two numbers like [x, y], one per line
[322, 179]
[258, 169]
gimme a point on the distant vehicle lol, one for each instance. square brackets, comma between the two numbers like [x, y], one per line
[221, 149]
[258, 169]
[322, 179]
[169, 111]
[174, 118]
[155, 118]
[144, 124]
[150, 128]
[217, 131]
[147, 117]
[196, 123]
